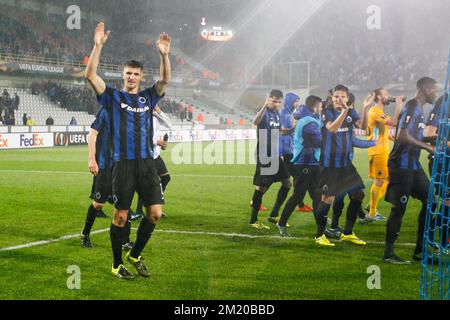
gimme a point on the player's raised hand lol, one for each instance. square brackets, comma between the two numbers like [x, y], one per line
[163, 44]
[100, 36]
[268, 101]
[343, 105]
[369, 100]
[399, 100]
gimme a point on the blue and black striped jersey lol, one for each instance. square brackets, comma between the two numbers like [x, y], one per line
[403, 155]
[102, 146]
[337, 148]
[436, 114]
[433, 117]
[269, 122]
[131, 122]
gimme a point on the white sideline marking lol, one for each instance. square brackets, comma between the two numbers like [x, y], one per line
[172, 175]
[42, 242]
[240, 235]
[87, 173]
[220, 234]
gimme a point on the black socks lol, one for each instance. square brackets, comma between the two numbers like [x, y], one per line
[90, 218]
[281, 196]
[321, 217]
[338, 206]
[144, 233]
[393, 225]
[352, 213]
[118, 236]
[256, 204]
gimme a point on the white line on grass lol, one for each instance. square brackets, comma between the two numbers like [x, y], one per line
[87, 173]
[201, 233]
[38, 243]
[172, 175]
[239, 235]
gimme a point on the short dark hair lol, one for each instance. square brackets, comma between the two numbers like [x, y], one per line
[341, 87]
[311, 101]
[276, 93]
[134, 64]
[425, 83]
[351, 99]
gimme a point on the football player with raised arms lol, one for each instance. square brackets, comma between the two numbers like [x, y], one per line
[134, 170]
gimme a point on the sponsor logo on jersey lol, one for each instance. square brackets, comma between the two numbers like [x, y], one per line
[133, 109]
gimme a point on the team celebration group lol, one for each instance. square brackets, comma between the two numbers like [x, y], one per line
[314, 143]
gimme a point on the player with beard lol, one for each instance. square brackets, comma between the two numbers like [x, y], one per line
[378, 129]
[270, 167]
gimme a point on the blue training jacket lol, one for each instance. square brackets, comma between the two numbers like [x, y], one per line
[307, 138]
[286, 123]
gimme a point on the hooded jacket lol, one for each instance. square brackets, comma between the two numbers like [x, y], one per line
[307, 138]
[286, 123]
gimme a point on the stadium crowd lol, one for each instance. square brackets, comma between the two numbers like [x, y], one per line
[8, 104]
[25, 33]
[70, 98]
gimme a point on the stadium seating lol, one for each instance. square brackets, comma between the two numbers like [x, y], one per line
[213, 110]
[39, 107]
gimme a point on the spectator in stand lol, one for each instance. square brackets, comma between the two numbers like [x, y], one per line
[30, 121]
[35, 88]
[221, 120]
[52, 93]
[229, 122]
[15, 102]
[190, 111]
[5, 95]
[24, 119]
[241, 122]
[73, 122]
[183, 113]
[174, 107]
[6, 99]
[12, 118]
[5, 116]
[49, 121]
[200, 118]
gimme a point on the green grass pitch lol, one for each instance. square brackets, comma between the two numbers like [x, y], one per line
[44, 195]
